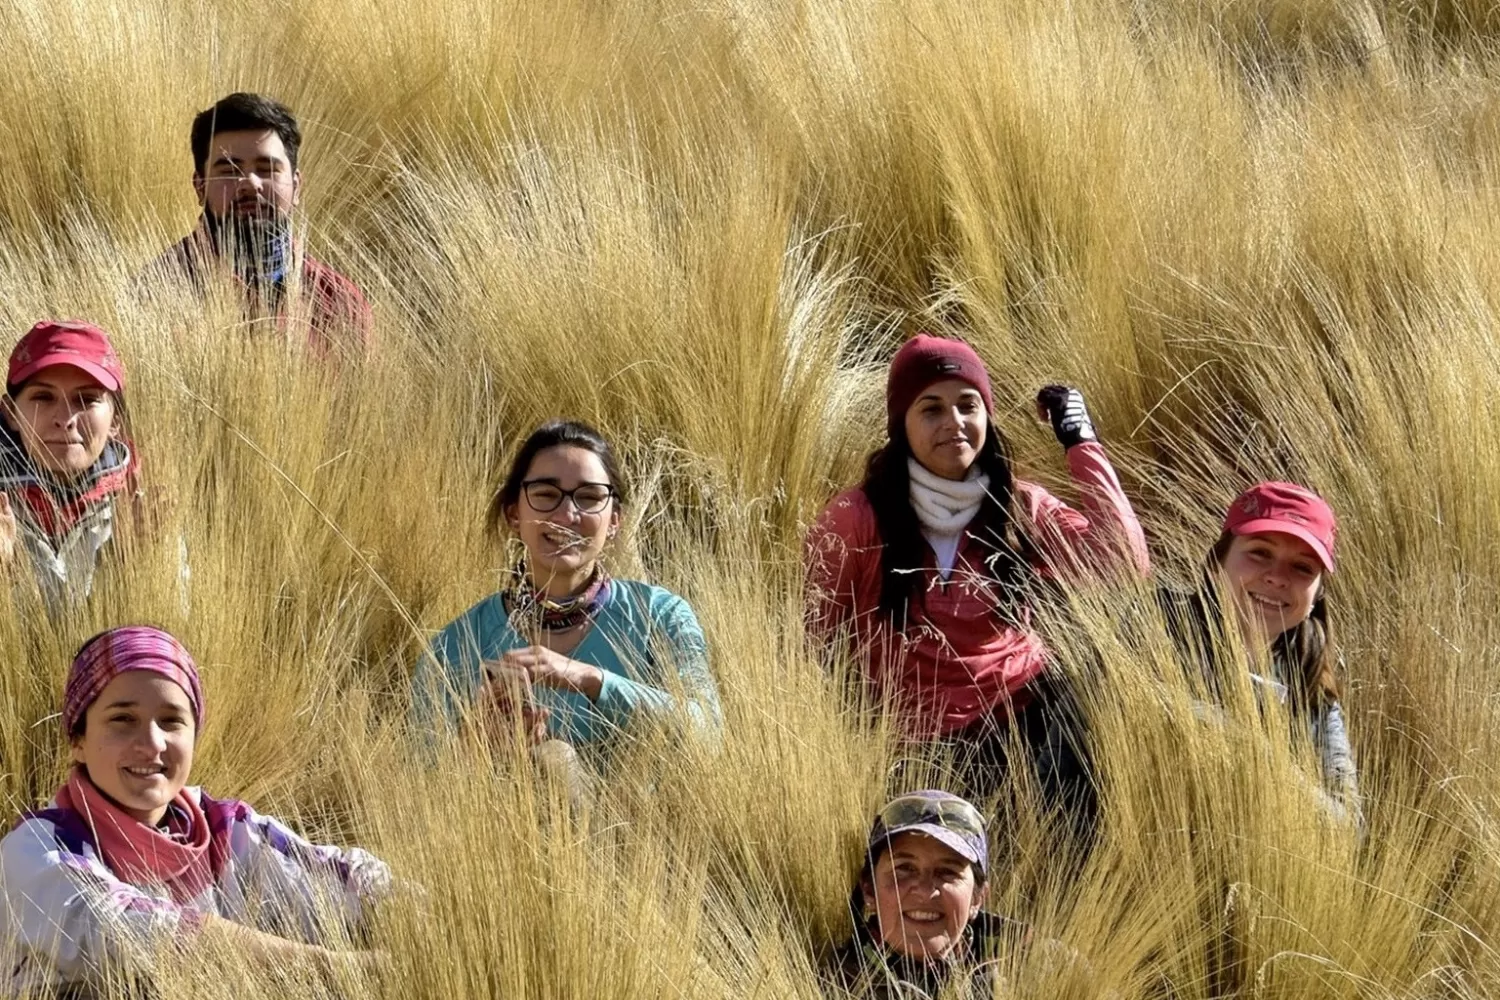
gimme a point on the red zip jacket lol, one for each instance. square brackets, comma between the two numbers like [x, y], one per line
[955, 662]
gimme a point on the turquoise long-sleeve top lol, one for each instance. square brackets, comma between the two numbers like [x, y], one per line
[645, 640]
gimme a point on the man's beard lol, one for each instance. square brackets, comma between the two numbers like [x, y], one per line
[258, 247]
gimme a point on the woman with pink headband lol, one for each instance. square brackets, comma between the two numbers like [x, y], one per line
[128, 858]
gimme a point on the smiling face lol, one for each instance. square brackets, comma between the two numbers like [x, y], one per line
[1273, 579]
[64, 419]
[946, 427]
[563, 545]
[137, 743]
[248, 174]
[925, 895]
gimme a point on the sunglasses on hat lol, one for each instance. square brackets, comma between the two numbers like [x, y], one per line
[951, 814]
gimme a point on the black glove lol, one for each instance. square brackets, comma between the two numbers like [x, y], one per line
[1063, 405]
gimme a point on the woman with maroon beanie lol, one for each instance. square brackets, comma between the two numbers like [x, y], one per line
[928, 565]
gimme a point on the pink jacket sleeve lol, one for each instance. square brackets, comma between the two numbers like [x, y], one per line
[842, 555]
[1105, 537]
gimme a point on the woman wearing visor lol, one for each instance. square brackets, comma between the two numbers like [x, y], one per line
[565, 652]
[919, 922]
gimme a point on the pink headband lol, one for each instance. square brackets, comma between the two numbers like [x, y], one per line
[121, 650]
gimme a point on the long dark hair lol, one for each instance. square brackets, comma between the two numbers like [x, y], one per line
[887, 485]
[1306, 650]
[553, 434]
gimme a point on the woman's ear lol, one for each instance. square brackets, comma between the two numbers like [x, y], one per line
[614, 519]
[76, 748]
[512, 516]
[981, 896]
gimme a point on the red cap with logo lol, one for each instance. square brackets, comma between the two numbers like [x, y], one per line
[1288, 509]
[66, 342]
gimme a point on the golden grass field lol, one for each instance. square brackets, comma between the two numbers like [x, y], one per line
[1261, 235]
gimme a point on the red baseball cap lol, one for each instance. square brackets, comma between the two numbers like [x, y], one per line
[1288, 509]
[67, 342]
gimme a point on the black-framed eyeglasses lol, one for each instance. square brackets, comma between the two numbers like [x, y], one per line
[544, 496]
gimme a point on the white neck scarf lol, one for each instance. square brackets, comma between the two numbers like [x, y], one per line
[943, 506]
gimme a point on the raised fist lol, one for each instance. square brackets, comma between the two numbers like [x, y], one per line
[1063, 407]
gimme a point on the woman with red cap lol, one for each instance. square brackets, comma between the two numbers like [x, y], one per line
[65, 459]
[1271, 562]
[129, 858]
[930, 565]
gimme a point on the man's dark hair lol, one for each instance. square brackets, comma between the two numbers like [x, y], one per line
[243, 112]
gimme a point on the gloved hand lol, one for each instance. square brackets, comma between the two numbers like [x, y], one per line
[1063, 406]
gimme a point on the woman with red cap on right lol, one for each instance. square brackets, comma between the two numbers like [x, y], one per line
[930, 565]
[1269, 567]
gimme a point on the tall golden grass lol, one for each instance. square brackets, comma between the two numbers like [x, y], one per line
[1259, 235]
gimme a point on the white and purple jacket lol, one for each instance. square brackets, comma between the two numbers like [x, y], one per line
[65, 916]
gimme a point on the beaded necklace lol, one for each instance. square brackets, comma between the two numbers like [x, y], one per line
[531, 611]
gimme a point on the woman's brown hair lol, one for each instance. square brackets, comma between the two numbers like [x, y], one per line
[553, 434]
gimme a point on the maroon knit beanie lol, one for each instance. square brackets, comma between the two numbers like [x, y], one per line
[923, 361]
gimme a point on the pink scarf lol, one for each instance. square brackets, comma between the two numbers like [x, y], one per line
[144, 855]
[56, 507]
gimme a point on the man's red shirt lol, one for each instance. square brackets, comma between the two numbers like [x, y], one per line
[334, 312]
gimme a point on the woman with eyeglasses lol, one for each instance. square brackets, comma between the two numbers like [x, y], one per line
[917, 903]
[572, 656]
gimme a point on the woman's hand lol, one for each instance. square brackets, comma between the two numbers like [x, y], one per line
[9, 530]
[150, 509]
[221, 935]
[371, 963]
[351, 968]
[506, 697]
[554, 670]
[1063, 407]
